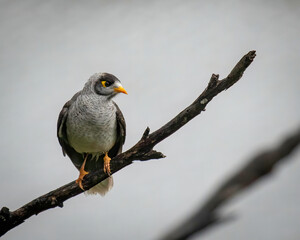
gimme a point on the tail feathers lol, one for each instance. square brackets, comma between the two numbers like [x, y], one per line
[101, 188]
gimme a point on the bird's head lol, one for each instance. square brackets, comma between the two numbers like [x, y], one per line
[106, 84]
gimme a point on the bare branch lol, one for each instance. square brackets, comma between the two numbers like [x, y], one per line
[146, 133]
[255, 169]
[143, 150]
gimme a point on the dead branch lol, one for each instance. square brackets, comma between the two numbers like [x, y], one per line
[143, 150]
[254, 170]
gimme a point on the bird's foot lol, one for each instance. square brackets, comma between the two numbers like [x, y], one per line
[82, 173]
[106, 167]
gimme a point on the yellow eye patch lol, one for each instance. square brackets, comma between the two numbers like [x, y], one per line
[106, 83]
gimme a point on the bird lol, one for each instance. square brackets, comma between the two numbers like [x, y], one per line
[91, 128]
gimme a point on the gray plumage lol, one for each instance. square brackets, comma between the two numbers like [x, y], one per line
[91, 123]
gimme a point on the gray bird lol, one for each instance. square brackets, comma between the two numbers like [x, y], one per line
[91, 127]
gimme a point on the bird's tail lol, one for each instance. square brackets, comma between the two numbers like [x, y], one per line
[101, 188]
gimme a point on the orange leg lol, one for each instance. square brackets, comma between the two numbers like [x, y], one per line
[82, 173]
[106, 167]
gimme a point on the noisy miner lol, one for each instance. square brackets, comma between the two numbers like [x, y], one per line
[91, 127]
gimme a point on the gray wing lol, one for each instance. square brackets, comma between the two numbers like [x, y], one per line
[76, 157]
[121, 134]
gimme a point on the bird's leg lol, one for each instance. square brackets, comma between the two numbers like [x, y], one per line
[106, 167]
[82, 173]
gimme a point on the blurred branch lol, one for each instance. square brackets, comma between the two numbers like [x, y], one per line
[255, 169]
[143, 150]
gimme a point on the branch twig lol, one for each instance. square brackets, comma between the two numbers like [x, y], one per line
[143, 150]
[255, 169]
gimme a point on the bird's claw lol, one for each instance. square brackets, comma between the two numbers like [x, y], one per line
[82, 173]
[106, 167]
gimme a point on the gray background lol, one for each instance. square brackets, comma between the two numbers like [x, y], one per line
[164, 52]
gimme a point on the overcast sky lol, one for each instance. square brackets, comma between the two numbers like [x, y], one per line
[164, 52]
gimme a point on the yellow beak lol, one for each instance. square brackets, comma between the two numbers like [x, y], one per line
[120, 89]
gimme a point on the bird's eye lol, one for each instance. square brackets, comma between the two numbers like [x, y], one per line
[105, 83]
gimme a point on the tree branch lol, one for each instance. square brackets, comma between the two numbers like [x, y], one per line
[255, 169]
[143, 150]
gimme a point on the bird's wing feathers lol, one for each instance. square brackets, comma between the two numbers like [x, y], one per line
[121, 133]
[61, 122]
[76, 157]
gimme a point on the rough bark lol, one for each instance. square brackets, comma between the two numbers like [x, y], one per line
[143, 150]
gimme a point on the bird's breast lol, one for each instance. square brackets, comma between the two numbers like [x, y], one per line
[92, 128]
